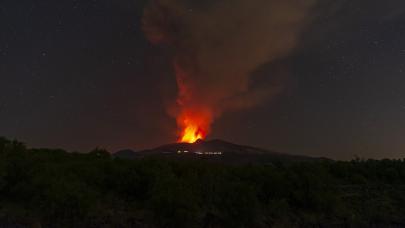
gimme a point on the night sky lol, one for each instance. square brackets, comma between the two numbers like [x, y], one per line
[80, 74]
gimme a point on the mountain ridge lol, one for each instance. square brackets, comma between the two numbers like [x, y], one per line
[215, 150]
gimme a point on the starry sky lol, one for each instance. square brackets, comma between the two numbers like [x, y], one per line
[80, 74]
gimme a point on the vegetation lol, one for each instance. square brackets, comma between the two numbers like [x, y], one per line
[52, 188]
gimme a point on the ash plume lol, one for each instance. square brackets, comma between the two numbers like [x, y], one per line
[218, 44]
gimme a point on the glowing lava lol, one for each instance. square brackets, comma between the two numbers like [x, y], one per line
[191, 134]
[194, 118]
[193, 125]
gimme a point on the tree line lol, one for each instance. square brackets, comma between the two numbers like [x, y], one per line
[54, 188]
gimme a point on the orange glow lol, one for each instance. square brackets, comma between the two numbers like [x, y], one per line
[194, 117]
[191, 134]
[193, 125]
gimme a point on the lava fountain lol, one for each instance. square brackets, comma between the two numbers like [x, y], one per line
[193, 124]
[191, 134]
[194, 117]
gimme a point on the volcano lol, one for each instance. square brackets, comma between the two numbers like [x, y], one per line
[215, 151]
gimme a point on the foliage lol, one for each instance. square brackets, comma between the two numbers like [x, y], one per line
[53, 188]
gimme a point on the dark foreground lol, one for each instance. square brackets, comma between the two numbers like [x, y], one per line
[52, 188]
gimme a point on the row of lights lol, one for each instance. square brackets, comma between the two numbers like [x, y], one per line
[200, 153]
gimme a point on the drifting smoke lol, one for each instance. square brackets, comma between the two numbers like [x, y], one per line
[216, 48]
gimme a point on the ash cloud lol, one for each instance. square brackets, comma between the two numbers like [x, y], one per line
[218, 44]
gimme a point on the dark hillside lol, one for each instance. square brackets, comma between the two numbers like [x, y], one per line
[215, 151]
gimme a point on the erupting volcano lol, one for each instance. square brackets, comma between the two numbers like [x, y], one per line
[215, 50]
[194, 124]
[191, 134]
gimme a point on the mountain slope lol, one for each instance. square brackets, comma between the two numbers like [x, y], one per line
[217, 151]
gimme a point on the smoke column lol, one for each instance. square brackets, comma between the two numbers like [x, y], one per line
[217, 45]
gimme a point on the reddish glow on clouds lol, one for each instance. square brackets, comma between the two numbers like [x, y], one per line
[216, 49]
